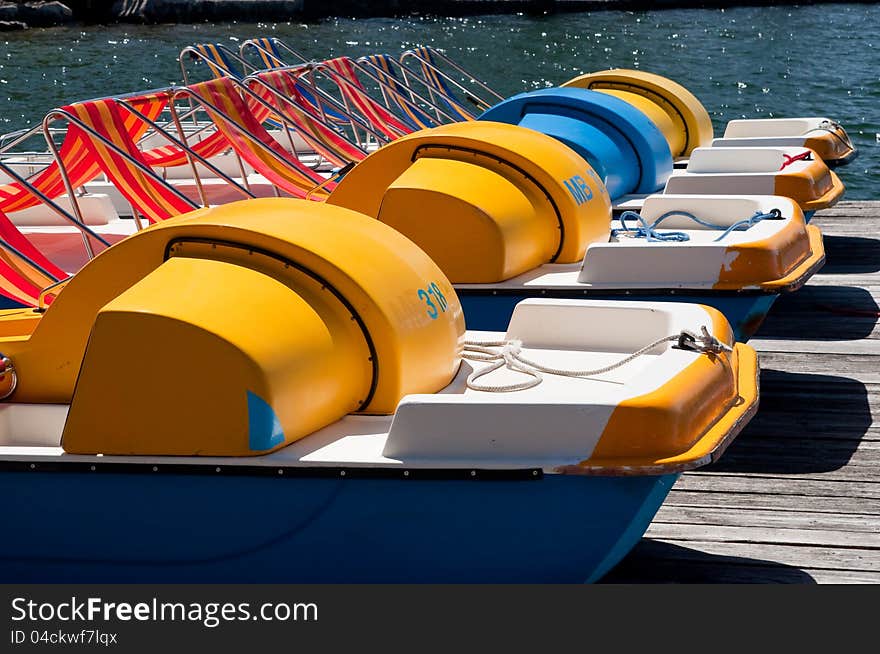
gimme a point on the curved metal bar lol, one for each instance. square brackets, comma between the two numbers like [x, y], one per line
[251, 43]
[356, 121]
[254, 78]
[278, 43]
[74, 203]
[20, 137]
[359, 64]
[45, 199]
[60, 113]
[195, 54]
[41, 300]
[30, 262]
[187, 92]
[321, 66]
[187, 150]
[455, 66]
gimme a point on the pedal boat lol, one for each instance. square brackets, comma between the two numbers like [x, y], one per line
[824, 136]
[791, 172]
[633, 152]
[686, 124]
[510, 213]
[282, 391]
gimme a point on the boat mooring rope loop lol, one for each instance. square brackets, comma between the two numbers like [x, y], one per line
[648, 232]
[509, 356]
[834, 128]
[806, 155]
[6, 368]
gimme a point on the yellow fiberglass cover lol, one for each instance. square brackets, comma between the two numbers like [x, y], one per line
[487, 201]
[238, 329]
[676, 111]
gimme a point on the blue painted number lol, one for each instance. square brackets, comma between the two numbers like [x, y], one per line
[432, 310]
[432, 296]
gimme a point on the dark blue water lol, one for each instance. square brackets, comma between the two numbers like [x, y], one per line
[745, 62]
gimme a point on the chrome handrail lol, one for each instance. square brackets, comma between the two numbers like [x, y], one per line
[7, 367]
[188, 92]
[321, 66]
[61, 114]
[255, 77]
[49, 202]
[473, 78]
[189, 152]
[195, 54]
[278, 43]
[360, 64]
[41, 299]
[30, 262]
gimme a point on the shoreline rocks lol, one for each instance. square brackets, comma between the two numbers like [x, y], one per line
[21, 15]
[193, 11]
[190, 11]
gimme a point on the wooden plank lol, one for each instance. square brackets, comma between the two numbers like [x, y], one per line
[826, 538]
[805, 556]
[747, 502]
[831, 285]
[823, 348]
[801, 454]
[813, 424]
[779, 325]
[690, 516]
[846, 208]
[798, 486]
[829, 397]
[781, 472]
[847, 474]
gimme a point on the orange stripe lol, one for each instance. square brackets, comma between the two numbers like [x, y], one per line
[10, 233]
[437, 82]
[111, 163]
[11, 284]
[155, 200]
[15, 197]
[397, 93]
[375, 113]
[288, 174]
[212, 58]
[323, 139]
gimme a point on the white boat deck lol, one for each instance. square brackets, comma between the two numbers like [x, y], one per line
[557, 422]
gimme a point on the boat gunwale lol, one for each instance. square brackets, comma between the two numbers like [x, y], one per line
[93, 465]
[731, 422]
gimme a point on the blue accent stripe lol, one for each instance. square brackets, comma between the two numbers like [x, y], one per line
[264, 428]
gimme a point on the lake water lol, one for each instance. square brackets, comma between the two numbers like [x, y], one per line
[744, 62]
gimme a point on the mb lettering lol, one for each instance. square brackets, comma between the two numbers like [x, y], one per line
[578, 189]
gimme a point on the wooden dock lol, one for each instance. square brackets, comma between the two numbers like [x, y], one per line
[796, 498]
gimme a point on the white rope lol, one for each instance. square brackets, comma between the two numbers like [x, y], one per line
[509, 356]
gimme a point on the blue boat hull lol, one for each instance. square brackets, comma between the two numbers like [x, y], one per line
[171, 527]
[745, 312]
